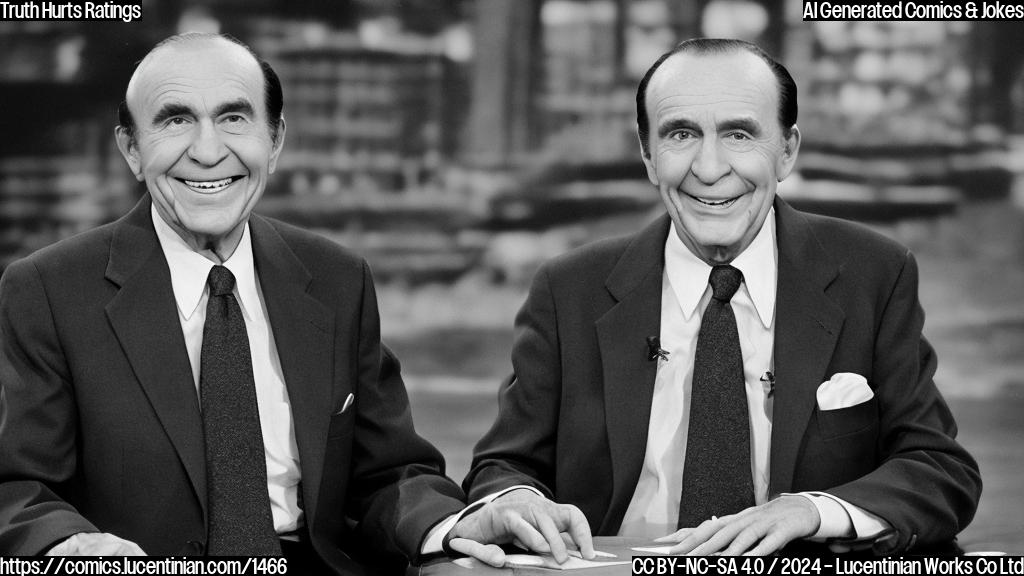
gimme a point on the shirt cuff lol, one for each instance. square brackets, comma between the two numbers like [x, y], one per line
[434, 542]
[840, 519]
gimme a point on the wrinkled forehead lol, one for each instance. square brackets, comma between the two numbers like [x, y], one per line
[203, 69]
[729, 84]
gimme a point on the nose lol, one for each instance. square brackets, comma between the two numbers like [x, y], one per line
[708, 164]
[207, 147]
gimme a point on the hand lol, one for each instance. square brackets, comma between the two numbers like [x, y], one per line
[531, 521]
[756, 531]
[95, 544]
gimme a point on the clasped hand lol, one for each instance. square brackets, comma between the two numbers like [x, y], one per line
[527, 519]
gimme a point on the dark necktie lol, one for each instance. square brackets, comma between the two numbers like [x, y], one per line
[716, 473]
[239, 522]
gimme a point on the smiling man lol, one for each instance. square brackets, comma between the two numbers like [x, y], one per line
[739, 376]
[194, 379]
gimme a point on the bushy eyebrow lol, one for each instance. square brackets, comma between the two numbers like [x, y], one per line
[746, 124]
[674, 124]
[172, 109]
[239, 106]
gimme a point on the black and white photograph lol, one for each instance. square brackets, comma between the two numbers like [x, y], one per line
[457, 287]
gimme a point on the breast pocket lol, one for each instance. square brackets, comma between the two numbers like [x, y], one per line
[839, 424]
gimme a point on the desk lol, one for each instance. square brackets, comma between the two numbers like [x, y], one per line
[621, 547]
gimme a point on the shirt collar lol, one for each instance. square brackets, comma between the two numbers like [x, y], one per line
[688, 275]
[189, 270]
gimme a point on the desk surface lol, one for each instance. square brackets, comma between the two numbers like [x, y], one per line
[621, 547]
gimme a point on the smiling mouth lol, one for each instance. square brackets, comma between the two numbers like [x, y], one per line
[715, 203]
[210, 186]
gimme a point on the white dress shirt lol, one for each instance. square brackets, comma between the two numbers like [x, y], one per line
[189, 271]
[654, 508]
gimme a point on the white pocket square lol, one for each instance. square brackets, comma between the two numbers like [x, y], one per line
[348, 402]
[843, 390]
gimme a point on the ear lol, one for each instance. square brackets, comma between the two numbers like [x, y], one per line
[786, 161]
[645, 155]
[130, 150]
[278, 145]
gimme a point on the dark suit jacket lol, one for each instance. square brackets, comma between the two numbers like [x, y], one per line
[100, 426]
[573, 419]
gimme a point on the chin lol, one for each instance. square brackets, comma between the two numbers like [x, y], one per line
[715, 234]
[210, 227]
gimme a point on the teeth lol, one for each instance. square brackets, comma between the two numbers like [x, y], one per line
[212, 185]
[713, 203]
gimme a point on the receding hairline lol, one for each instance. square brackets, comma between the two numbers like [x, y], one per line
[776, 88]
[183, 42]
[788, 109]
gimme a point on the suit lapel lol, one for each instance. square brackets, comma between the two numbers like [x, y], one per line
[144, 317]
[807, 327]
[303, 332]
[636, 284]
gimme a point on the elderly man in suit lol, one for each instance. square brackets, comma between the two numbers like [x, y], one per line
[738, 375]
[194, 379]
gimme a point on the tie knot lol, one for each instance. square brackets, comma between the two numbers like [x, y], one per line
[221, 281]
[725, 281]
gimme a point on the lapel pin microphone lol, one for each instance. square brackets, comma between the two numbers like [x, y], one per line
[654, 349]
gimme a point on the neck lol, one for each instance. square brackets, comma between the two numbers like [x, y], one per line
[217, 249]
[712, 255]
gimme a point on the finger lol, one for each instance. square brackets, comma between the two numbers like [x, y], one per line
[528, 536]
[689, 542]
[839, 548]
[746, 539]
[738, 534]
[579, 529]
[716, 543]
[553, 537]
[489, 554]
[697, 536]
[675, 536]
[132, 549]
[124, 547]
[99, 545]
[767, 545]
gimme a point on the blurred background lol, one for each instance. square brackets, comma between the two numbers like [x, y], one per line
[458, 144]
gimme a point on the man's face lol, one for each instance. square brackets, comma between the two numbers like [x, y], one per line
[203, 146]
[717, 151]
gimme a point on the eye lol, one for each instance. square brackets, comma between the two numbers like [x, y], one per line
[682, 135]
[177, 121]
[234, 119]
[738, 141]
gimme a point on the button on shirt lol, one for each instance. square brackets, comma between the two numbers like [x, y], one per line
[654, 508]
[189, 271]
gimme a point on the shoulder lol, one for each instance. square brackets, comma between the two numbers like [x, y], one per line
[319, 254]
[594, 260]
[862, 252]
[856, 244]
[81, 255]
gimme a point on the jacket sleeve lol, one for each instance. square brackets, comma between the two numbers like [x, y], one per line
[38, 420]
[925, 485]
[398, 487]
[519, 449]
